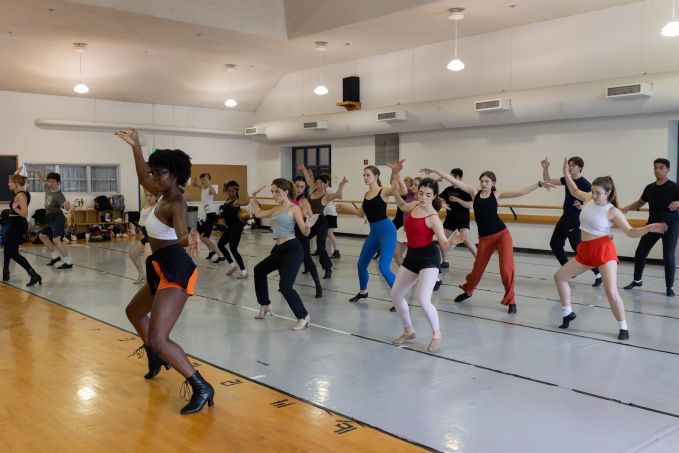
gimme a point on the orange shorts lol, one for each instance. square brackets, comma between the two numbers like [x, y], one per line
[165, 283]
[596, 252]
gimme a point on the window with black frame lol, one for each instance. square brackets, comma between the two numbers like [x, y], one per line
[316, 159]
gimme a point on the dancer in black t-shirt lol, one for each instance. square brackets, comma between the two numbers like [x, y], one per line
[662, 197]
[457, 217]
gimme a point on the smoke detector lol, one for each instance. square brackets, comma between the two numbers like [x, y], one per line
[321, 46]
[456, 14]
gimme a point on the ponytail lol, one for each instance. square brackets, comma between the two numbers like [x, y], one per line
[285, 184]
[375, 171]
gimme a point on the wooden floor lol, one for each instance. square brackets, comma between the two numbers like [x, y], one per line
[67, 384]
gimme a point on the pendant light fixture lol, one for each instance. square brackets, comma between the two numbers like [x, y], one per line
[230, 101]
[456, 15]
[80, 87]
[322, 47]
[671, 29]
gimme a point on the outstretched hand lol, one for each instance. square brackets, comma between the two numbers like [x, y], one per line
[427, 170]
[396, 167]
[577, 204]
[548, 185]
[457, 237]
[545, 163]
[193, 243]
[311, 221]
[565, 166]
[658, 228]
[257, 190]
[674, 206]
[344, 180]
[131, 136]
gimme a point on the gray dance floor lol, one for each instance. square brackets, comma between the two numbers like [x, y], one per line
[510, 383]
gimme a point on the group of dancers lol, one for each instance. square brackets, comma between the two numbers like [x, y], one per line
[170, 274]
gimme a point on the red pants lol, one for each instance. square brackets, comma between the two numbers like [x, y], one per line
[502, 242]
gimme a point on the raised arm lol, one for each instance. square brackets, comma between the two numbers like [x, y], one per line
[455, 182]
[238, 202]
[464, 203]
[400, 202]
[338, 193]
[41, 176]
[572, 187]
[131, 137]
[351, 209]
[523, 191]
[259, 212]
[618, 218]
[394, 179]
[308, 177]
[545, 172]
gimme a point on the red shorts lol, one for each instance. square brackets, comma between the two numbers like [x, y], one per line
[165, 283]
[596, 252]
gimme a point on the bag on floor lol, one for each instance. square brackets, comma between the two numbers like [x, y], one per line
[102, 203]
[118, 202]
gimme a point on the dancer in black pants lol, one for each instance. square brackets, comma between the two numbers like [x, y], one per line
[287, 256]
[18, 229]
[309, 265]
[662, 197]
[568, 225]
[234, 229]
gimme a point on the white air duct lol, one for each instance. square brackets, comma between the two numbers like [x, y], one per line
[582, 100]
[68, 124]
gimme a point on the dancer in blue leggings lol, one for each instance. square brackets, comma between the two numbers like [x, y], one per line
[382, 230]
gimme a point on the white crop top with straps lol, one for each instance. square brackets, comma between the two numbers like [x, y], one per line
[594, 219]
[157, 229]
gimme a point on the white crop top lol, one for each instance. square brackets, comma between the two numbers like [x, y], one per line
[144, 214]
[157, 229]
[206, 201]
[594, 220]
[330, 207]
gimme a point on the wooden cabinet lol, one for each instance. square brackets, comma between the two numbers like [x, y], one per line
[83, 219]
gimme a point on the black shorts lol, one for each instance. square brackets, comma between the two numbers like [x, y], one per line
[332, 221]
[420, 258]
[206, 226]
[56, 224]
[452, 226]
[145, 238]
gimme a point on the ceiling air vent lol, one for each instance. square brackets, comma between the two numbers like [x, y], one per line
[634, 89]
[259, 130]
[493, 105]
[317, 125]
[392, 116]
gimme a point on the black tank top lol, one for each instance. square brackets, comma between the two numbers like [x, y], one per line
[11, 203]
[375, 209]
[485, 213]
[231, 214]
[316, 205]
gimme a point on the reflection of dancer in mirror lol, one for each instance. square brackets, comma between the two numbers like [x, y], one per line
[234, 229]
[598, 215]
[53, 234]
[17, 228]
[287, 255]
[170, 273]
[208, 216]
[142, 248]
[423, 257]
[493, 233]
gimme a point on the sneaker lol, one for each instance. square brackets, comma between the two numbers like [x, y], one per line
[54, 260]
[567, 320]
[445, 264]
[670, 292]
[462, 297]
[65, 266]
[633, 285]
[437, 285]
[597, 282]
[210, 255]
[512, 309]
[219, 259]
[623, 334]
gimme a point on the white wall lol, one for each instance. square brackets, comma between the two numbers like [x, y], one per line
[19, 135]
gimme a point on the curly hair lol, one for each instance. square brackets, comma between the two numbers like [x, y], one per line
[176, 161]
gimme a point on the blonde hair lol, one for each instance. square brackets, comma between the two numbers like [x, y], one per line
[19, 180]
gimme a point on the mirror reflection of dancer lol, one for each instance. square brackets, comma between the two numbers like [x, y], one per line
[207, 224]
[493, 233]
[662, 197]
[568, 225]
[301, 201]
[598, 215]
[53, 234]
[17, 229]
[171, 273]
[142, 248]
[234, 229]
[287, 255]
[382, 230]
[423, 257]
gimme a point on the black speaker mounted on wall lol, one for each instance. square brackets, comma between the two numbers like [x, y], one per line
[351, 89]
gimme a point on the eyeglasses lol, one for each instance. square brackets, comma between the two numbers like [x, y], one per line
[157, 173]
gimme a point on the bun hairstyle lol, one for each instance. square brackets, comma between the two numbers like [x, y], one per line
[375, 171]
[606, 183]
[176, 161]
[433, 185]
[231, 184]
[19, 180]
[326, 178]
[457, 172]
[490, 175]
[286, 185]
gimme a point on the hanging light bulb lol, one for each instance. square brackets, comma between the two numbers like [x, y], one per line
[230, 101]
[80, 87]
[456, 15]
[321, 89]
[671, 29]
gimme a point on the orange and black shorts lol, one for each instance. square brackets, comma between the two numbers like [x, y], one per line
[165, 283]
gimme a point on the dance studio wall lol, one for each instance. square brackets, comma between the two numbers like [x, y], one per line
[19, 135]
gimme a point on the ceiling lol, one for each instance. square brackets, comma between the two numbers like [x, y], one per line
[174, 51]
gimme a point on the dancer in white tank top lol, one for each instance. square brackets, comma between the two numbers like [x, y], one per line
[208, 216]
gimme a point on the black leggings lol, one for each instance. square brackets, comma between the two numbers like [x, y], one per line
[669, 246]
[18, 227]
[309, 264]
[566, 227]
[286, 259]
[320, 230]
[232, 235]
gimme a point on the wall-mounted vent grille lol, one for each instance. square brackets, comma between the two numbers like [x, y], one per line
[392, 116]
[386, 148]
[255, 130]
[316, 125]
[493, 105]
[634, 89]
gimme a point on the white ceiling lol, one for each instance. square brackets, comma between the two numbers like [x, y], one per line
[174, 51]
